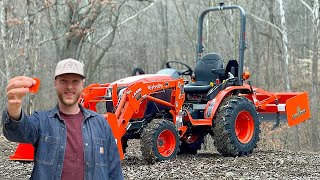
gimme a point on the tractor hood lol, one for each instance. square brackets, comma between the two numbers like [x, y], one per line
[141, 78]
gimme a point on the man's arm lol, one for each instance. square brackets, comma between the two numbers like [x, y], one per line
[16, 125]
[23, 130]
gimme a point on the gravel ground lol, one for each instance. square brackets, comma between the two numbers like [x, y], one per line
[207, 164]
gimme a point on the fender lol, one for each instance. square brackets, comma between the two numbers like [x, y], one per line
[213, 104]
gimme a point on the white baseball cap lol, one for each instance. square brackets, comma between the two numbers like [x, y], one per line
[69, 66]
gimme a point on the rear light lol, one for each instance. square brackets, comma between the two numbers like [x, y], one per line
[246, 75]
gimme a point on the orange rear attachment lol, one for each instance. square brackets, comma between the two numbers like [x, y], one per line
[34, 88]
[24, 152]
[297, 109]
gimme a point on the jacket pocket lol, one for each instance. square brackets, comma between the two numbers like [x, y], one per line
[47, 149]
[101, 158]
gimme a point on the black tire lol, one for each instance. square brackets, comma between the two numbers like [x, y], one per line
[124, 142]
[159, 141]
[229, 139]
[191, 144]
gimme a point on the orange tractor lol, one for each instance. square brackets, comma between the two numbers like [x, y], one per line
[172, 116]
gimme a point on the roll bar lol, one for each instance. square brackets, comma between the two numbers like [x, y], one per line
[242, 43]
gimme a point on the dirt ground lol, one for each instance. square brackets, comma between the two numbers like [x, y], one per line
[207, 164]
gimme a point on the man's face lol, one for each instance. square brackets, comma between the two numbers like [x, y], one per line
[69, 87]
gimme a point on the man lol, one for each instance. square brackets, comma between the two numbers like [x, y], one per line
[70, 142]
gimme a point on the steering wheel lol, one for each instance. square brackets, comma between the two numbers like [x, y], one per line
[172, 64]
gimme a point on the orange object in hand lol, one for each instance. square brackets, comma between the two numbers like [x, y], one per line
[34, 88]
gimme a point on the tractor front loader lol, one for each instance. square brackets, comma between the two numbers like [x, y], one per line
[140, 101]
[172, 115]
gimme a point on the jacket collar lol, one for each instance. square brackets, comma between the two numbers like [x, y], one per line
[86, 113]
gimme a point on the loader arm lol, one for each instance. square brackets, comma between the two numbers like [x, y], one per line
[129, 101]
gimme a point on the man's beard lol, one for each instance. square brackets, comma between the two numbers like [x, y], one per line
[68, 102]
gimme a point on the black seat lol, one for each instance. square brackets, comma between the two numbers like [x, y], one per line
[204, 75]
[203, 70]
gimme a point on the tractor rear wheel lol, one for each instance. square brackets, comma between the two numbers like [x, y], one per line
[159, 141]
[236, 127]
[190, 144]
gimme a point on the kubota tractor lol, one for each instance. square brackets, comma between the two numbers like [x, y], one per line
[171, 116]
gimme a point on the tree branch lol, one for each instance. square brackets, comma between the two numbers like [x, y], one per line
[307, 6]
[267, 22]
[51, 39]
[5, 77]
[128, 19]
[183, 23]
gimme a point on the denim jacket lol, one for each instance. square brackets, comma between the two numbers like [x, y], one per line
[47, 132]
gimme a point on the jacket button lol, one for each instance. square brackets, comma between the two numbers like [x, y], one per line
[86, 144]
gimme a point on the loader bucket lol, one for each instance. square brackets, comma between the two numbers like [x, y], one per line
[297, 109]
[24, 152]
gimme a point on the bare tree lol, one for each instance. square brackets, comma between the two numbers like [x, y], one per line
[285, 46]
[314, 12]
[4, 43]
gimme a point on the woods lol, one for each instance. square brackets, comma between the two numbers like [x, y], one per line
[112, 37]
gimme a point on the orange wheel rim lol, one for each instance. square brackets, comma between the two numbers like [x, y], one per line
[244, 127]
[166, 143]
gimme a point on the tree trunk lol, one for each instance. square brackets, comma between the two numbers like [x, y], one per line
[285, 47]
[295, 131]
[315, 81]
[4, 38]
[27, 40]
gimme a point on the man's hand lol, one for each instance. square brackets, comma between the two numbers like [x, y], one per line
[17, 88]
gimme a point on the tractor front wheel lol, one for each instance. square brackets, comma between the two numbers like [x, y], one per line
[159, 141]
[236, 127]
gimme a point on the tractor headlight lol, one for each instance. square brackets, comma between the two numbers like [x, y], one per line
[121, 92]
[109, 93]
[210, 108]
[181, 86]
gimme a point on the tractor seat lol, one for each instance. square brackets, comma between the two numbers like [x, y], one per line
[204, 75]
[203, 70]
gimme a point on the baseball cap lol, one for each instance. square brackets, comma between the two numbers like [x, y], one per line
[69, 66]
